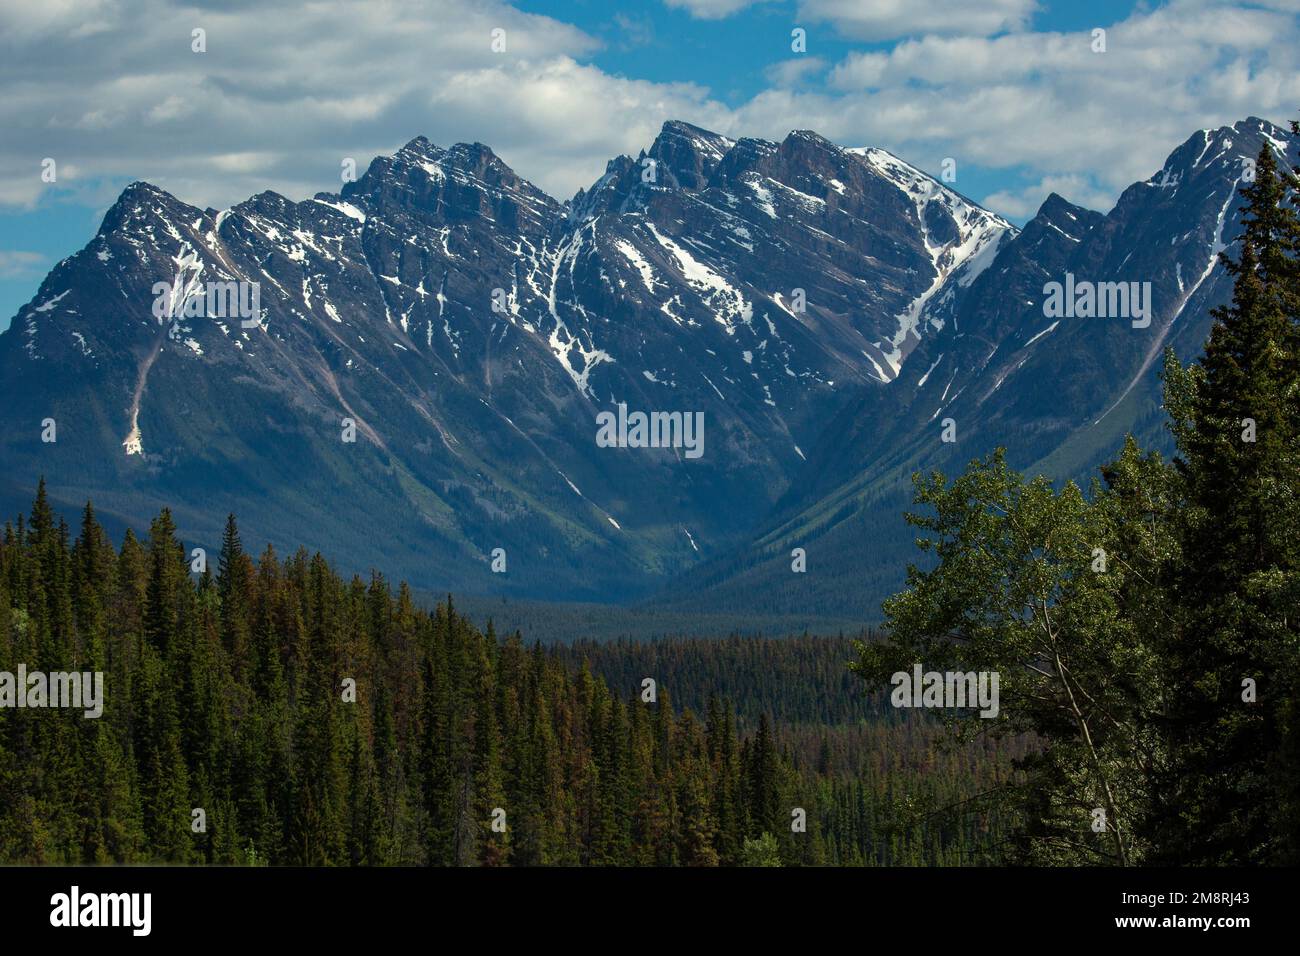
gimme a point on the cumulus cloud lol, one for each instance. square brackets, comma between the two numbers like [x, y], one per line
[1045, 103]
[711, 9]
[285, 91]
[795, 71]
[888, 19]
[16, 264]
[1024, 202]
[76, 18]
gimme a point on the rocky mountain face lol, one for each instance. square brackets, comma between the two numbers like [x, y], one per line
[1057, 386]
[412, 373]
[408, 374]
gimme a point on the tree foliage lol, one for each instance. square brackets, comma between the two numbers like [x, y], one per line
[1146, 632]
[232, 693]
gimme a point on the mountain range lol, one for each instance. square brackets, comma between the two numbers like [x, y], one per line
[834, 314]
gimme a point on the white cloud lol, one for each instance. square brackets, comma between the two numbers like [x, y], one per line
[794, 71]
[1045, 105]
[15, 264]
[75, 18]
[888, 19]
[172, 108]
[1023, 203]
[287, 90]
[710, 9]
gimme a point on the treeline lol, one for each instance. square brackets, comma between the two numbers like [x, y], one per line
[270, 712]
[794, 680]
[643, 623]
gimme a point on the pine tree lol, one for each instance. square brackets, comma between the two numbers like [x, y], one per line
[167, 578]
[235, 575]
[1236, 422]
[449, 724]
[764, 798]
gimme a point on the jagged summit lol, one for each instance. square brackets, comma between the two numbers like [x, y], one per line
[820, 306]
[1057, 392]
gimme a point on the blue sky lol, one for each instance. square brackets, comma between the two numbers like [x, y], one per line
[1010, 88]
[730, 55]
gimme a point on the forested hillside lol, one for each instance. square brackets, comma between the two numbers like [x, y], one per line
[228, 690]
[794, 680]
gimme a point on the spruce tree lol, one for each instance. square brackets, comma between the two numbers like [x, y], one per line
[1232, 656]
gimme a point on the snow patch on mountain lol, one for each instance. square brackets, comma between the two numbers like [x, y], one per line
[638, 262]
[349, 210]
[979, 236]
[711, 286]
[1035, 338]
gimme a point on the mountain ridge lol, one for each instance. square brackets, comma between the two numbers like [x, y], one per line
[471, 326]
[1076, 387]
